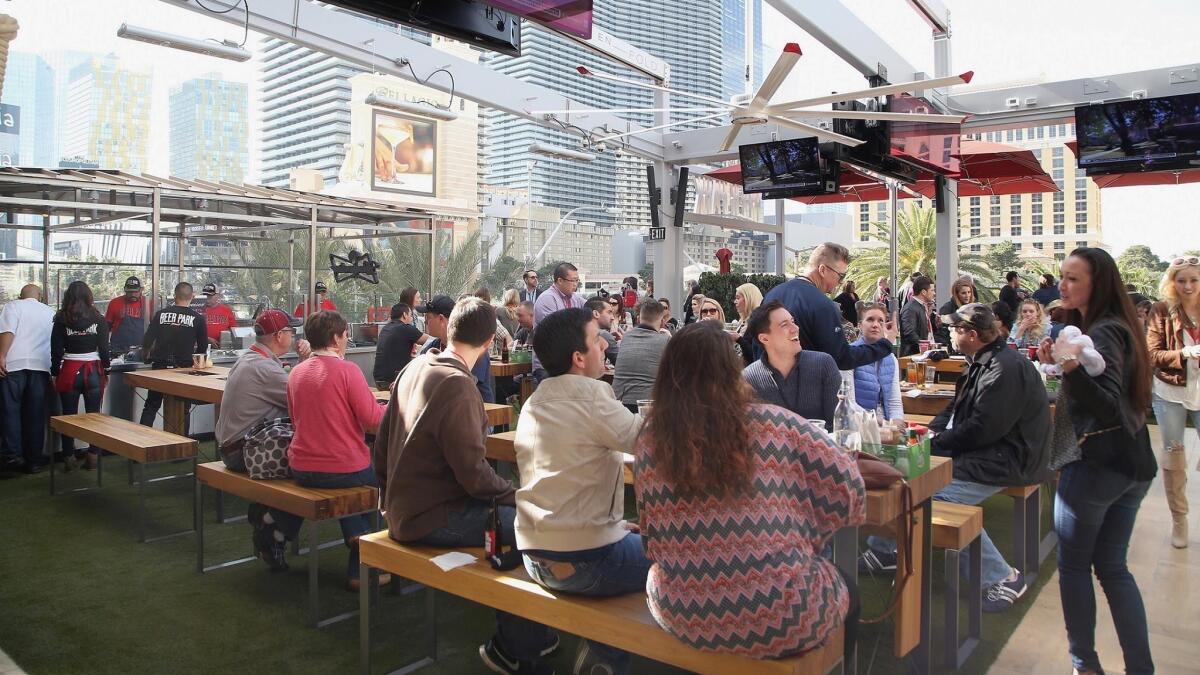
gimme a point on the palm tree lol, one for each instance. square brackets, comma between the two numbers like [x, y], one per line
[404, 262]
[916, 252]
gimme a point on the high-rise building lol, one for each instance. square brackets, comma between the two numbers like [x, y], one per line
[108, 114]
[305, 111]
[1040, 225]
[29, 85]
[209, 130]
[696, 37]
[733, 39]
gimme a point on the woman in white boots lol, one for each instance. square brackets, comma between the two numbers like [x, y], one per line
[1174, 340]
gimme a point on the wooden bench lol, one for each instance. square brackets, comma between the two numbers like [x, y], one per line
[138, 444]
[623, 622]
[957, 527]
[312, 504]
[1030, 549]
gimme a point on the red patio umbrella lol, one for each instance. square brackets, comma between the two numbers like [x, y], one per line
[1136, 178]
[980, 160]
[1013, 185]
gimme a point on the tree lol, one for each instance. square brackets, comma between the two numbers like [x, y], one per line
[646, 274]
[916, 251]
[505, 273]
[1002, 257]
[1140, 256]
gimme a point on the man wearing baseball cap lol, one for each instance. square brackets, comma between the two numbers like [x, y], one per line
[126, 317]
[997, 430]
[217, 315]
[325, 302]
[256, 390]
[437, 316]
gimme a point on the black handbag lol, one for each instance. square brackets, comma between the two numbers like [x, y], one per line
[1116, 448]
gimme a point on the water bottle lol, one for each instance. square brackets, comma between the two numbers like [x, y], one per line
[845, 431]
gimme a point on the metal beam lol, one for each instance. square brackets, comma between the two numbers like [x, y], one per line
[57, 205]
[94, 221]
[701, 146]
[376, 46]
[733, 223]
[1041, 103]
[839, 29]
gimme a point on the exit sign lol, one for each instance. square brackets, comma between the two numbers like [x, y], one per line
[658, 234]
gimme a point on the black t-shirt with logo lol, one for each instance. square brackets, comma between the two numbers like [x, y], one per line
[174, 334]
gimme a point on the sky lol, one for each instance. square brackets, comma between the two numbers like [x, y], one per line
[1019, 41]
[1013, 41]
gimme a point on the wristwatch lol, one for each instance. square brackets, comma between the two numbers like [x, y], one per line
[1068, 357]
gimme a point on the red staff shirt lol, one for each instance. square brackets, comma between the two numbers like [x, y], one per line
[302, 309]
[218, 317]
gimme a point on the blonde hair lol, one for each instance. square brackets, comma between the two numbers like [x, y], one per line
[959, 283]
[1041, 315]
[714, 303]
[1166, 288]
[751, 295]
[509, 302]
[827, 254]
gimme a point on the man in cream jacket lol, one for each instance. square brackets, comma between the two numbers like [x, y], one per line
[570, 444]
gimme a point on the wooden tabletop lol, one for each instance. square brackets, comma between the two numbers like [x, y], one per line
[950, 365]
[498, 414]
[500, 448]
[927, 404]
[183, 382]
[500, 369]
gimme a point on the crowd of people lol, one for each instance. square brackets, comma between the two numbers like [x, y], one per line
[736, 475]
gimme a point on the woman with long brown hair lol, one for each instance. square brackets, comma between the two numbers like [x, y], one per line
[79, 358]
[1107, 466]
[736, 499]
[1174, 341]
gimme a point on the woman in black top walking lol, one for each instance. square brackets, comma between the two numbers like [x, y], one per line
[1105, 458]
[78, 361]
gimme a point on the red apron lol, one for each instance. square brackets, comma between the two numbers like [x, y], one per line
[65, 382]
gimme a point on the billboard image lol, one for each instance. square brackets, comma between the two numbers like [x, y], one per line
[404, 152]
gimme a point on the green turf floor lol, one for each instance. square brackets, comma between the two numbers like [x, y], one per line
[78, 594]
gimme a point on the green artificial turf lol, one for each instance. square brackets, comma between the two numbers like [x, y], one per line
[78, 594]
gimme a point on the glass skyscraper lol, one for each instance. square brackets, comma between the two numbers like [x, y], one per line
[209, 130]
[108, 114]
[29, 85]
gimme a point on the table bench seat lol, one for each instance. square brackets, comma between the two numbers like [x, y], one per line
[121, 437]
[284, 494]
[957, 528]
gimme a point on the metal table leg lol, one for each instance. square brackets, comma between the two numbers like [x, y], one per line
[314, 549]
[845, 557]
[198, 523]
[142, 503]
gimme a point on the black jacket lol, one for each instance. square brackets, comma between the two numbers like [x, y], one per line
[1098, 404]
[173, 336]
[1001, 432]
[1011, 297]
[78, 336]
[914, 326]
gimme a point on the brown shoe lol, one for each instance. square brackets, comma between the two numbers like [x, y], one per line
[353, 585]
[90, 460]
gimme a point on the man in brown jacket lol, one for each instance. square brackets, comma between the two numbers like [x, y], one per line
[436, 485]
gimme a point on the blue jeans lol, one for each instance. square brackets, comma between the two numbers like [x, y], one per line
[995, 568]
[353, 527]
[1094, 513]
[92, 393]
[519, 638]
[615, 569]
[1172, 424]
[23, 404]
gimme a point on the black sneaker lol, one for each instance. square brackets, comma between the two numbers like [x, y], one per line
[1000, 596]
[499, 662]
[551, 647]
[871, 562]
[269, 549]
[254, 515]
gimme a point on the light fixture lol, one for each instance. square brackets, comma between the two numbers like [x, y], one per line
[224, 50]
[420, 109]
[561, 153]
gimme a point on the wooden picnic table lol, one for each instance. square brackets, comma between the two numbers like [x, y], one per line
[510, 369]
[883, 507]
[178, 386]
[498, 414]
[954, 365]
[926, 404]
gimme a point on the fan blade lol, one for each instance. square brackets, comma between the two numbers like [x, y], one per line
[779, 72]
[873, 92]
[864, 115]
[582, 111]
[586, 72]
[731, 137]
[819, 133]
[661, 126]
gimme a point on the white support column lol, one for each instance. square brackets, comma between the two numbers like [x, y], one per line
[291, 281]
[668, 260]
[312, 263]
[780, 239]
[155, 247]
[947, 241]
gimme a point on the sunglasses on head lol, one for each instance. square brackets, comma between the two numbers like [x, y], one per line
[1185, 261]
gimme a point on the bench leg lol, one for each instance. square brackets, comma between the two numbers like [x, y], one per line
[1048, 542]
[314, 548]
[845, 556]
[950, 641]
[1020, 506]
[142, 503]
[1033, 536]
[956, 653]
[198, 523]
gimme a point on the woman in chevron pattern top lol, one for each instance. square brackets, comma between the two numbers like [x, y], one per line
[736, 499]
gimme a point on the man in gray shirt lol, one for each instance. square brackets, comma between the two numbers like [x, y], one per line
[641, 351]
[789, 376]
[256, 390]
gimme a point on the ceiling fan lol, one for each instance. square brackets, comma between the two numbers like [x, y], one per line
[746, 109]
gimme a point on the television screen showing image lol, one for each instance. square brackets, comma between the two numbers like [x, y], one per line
[929, 145]
[1139, 135]
[404, 152]
[573, 17]
[794, 166]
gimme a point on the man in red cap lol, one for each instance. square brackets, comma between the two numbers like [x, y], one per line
[325, 303]
[256, 390]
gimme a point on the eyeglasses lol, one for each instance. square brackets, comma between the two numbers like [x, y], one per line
[1185, 261]
[841, 275]
[707, 312]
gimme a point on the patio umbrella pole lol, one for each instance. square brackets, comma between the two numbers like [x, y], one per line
[895, 252]
[291, 283]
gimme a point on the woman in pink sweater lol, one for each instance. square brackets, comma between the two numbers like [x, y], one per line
[332, 409]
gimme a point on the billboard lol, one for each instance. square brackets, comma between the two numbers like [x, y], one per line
[404, 154]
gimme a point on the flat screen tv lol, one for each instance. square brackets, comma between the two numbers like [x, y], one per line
[1140, 135]
[875, 153]
[573, 17]
[791, 168]
[933, 146]
[472, 22]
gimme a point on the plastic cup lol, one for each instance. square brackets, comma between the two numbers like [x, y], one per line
[199, 361]
[923, 346]
[643, 406]
[913, 374]
[930, 375]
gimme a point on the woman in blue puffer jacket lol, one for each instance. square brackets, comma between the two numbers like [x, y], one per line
[877, 384]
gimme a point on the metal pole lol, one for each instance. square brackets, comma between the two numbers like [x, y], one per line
[432, 255]
[46, 257]
[668, 267]
[528, 214]
[155, 224]
[748, 87]
[182, 245]
[312, 263]
[781, 238]
[895, 257]
[291, 282]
